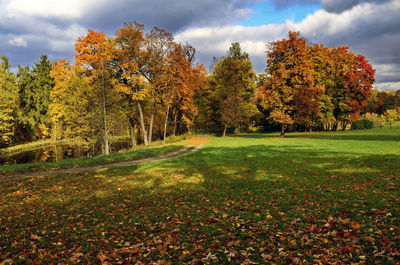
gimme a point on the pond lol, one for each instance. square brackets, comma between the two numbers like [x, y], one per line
[54, 153]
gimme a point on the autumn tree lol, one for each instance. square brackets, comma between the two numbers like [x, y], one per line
[94, 60]
[158, 44]
[290, 92]
[314, 86]
[233, 84]
[353, 78]
[391, 116]
[322, 62]
[381, 101]
[198, 83]
[188, 80]
[359, 80]
[156, 76]
[182, 83]
[131, 58]
[71, 110]
[142, 63]
[8, 102]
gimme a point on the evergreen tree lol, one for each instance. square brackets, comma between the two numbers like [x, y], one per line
[8, 102]
[35, 87]
[233, 83]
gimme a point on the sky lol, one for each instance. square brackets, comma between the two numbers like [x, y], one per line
[30, 28]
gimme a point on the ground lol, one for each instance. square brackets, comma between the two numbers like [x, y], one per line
[249, 199]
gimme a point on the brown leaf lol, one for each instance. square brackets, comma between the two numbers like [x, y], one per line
[355, 225]
[102, 258]
[35, 237]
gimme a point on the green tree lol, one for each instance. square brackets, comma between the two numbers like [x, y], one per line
[235, 52]
[233, 84]
[8, 102]
[391, 115]
[35, 87]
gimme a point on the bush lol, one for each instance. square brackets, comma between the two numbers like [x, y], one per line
[173, 138]
[362, 124]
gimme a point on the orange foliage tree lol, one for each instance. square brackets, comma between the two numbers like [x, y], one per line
[93, 58]
[131, 58]
[314, 86]
[290, 92]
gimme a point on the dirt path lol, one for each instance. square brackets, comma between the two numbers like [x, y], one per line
[195, 144]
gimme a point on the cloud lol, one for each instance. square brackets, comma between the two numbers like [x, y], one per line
[370, 29]
[394, 86]
[71, 9]
[286, 3]
[19, 42]
[331, 6]
[215, 41]
[55, 25]
[171, 15]
[338, 6]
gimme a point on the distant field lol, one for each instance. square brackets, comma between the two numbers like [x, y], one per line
[251, 198]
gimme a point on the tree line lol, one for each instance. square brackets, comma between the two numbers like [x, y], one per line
[148, 86]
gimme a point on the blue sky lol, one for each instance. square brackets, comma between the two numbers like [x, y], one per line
[268, 13]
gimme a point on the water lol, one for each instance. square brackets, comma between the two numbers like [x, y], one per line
[56, 153]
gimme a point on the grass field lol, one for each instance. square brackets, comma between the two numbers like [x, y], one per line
[138, 152]
[248, 199]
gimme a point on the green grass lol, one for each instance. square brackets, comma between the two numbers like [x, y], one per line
[308, 198]
[49, 142]
[156, 148]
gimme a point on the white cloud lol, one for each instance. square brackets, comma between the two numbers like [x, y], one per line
[70, 9]
[18, 42]
[215, 41]
[393, 86]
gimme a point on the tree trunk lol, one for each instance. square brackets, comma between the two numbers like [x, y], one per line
[151, 123]
[175, 124]
[165, 124]
[145, 141]
[283, 130]
[133, 133]
[55, 131]
[224, 133]
[106, 146]
[151, 127]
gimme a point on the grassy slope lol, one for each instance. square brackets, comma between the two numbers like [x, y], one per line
[48, 142]
[311, 197]
[137, 153]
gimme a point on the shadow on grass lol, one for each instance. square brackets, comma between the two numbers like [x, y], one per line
[364, 135]
[349, 136]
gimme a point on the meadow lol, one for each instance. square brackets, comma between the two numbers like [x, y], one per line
[309, 198]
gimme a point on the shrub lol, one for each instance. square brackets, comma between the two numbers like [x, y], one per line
[173, 138]
[362, 124]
